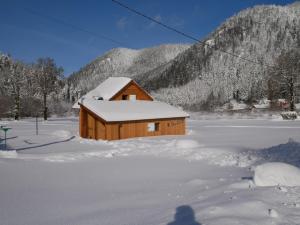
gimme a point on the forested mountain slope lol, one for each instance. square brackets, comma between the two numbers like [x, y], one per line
[205, 74]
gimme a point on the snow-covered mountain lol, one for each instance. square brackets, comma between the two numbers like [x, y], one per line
[120, 62]
[204, 75]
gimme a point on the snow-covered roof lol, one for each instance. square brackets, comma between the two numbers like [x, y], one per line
[107, 89]
[112, 111]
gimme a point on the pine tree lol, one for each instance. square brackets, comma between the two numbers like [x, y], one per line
[13, 79]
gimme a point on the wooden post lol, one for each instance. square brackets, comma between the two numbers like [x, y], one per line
[36, 125]
[5, 139]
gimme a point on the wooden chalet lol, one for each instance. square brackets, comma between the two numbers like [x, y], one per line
[119, 108]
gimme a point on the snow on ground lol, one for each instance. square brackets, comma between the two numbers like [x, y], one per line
[262, 104]
[226, 115]
[57, 177]
[277, 174]
[234, 105]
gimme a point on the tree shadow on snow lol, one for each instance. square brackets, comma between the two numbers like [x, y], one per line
[9, 138]
[287, 153]
[47, 144]
[63, 119]
[2, 145]
[184, 216]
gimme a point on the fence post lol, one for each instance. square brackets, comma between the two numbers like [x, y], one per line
[36, 125]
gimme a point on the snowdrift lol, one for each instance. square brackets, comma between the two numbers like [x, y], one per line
[275, 173]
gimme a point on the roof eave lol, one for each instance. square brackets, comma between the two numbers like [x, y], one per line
[146, 119]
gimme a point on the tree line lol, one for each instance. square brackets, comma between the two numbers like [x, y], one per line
[30, 89]
[38, 89]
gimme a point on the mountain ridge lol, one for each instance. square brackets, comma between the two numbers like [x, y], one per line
[202, 75]
[120, 62]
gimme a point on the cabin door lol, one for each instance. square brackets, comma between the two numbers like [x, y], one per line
[90, 127]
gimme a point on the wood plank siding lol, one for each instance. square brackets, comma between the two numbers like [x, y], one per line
[93, 127]
[82, 123]
[132, 89]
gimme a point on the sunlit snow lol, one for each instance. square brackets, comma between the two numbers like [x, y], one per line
[57, 177]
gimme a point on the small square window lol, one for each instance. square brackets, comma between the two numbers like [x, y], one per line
[132, 97]
[124, 97]
[153, 127]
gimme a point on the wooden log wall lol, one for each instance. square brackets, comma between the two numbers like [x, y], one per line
[93, 127]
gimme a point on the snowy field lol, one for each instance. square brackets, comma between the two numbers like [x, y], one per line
[205, 177]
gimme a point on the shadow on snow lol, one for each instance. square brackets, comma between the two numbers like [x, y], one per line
[184, 216]
[286, 153]
[2, 145]
[47, 144]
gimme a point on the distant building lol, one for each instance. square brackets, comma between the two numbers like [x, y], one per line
[119, 108]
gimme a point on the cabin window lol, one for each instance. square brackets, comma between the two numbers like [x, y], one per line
[153, 127]
[156, 126]
[132, 97]
[124, 97]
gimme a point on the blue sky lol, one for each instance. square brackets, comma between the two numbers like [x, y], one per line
[39, 28]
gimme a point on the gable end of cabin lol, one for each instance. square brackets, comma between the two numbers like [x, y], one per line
[132, 91]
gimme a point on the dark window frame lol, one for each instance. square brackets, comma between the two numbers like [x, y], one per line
[156, 126]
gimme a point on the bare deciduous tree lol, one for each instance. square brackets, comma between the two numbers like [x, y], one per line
[286, 74]
[47, 78]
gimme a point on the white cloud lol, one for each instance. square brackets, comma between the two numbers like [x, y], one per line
[157, 18]
[122, 23]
